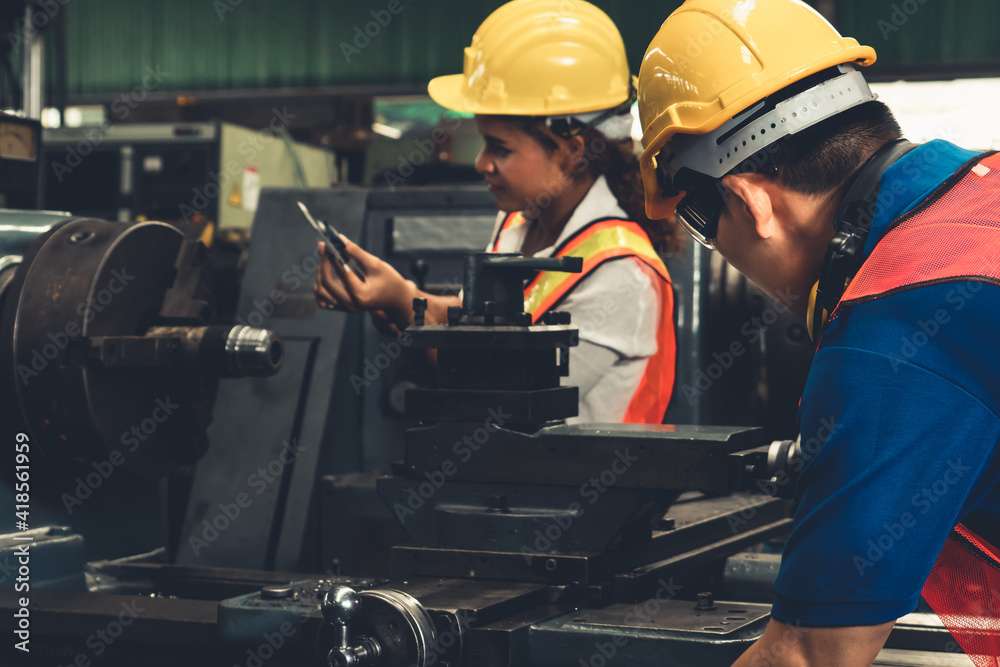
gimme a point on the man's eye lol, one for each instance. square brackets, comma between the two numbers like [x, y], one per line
[501, 152]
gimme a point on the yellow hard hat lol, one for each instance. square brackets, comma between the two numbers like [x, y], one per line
[540, 58]
[712, 60]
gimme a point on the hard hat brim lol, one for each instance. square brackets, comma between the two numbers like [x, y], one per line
[449, 92]
[452, 92]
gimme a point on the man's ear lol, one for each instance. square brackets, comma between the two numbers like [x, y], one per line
[755, 196]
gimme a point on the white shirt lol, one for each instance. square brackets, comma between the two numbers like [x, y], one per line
[616, 308]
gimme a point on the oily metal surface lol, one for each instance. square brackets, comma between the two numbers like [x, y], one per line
[678, 616]
[676, 458]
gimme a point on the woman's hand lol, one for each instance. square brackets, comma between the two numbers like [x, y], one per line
[384, 325]
[383, 288]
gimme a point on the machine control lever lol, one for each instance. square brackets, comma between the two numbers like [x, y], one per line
[341, 607]
[522, 265]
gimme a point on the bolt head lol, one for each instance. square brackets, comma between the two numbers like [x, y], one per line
[705, 602]
[276, 592]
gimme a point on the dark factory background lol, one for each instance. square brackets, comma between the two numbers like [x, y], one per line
[228, 59]
[216, 117]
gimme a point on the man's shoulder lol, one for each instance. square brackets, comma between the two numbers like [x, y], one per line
[944, 329]
[913, 178]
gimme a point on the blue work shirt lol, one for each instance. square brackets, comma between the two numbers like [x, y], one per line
[900, 425]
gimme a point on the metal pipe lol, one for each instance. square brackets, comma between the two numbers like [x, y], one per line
[253, 352]
[32, 66]
[224, 351]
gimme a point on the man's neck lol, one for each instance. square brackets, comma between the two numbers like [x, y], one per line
[815, 234]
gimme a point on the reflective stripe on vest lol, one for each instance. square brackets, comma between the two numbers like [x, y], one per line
[511, 221]
[954, 235]
[599, 242]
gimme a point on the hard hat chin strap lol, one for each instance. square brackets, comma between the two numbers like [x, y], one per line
[852, 223]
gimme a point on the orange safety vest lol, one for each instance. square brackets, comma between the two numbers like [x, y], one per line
[599, 242]
[953, 235]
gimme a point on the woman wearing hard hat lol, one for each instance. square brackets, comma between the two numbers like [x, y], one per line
[549, 84]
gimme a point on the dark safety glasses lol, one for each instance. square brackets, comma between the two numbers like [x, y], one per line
[698, 212]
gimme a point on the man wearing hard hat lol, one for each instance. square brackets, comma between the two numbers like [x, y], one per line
[765, 142]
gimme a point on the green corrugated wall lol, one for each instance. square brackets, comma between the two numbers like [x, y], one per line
[229, 44]
[919, 32]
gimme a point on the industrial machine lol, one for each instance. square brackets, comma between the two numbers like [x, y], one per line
[173, 172]
[110, 361]
[527, 542]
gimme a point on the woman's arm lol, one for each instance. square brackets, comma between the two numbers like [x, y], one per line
[384, 292]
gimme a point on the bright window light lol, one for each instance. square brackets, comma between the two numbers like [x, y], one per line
[962, 111]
